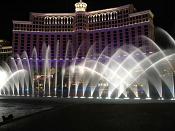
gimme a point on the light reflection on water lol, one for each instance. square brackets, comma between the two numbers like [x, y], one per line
[19, 109]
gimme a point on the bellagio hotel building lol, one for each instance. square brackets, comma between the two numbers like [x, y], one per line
[111, 28]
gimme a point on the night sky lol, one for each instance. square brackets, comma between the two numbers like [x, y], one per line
[163, 10]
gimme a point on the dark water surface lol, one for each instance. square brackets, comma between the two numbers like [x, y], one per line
[90, 115]
[21, 108]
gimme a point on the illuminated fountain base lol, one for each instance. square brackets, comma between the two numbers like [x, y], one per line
[117, 98]
[99, 98]
[126, 98]
[107, 98]
[137, 98]
[90, 97]
[172, 99]
[161, 98]
[148, 98]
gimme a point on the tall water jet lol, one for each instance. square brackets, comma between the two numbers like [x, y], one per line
[56, 67]
[64, 69]
[48, 71]
[3, 76]
[30, 76]
[35, 72]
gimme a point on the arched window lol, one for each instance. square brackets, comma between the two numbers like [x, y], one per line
[101, 18]
[58, 20]
[55, 20]
[93, 18]
[49, 20]
[106, 18]
[98, 18]
[61, 20]
[111, 16]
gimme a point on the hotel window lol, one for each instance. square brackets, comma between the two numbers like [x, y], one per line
[91, 39]
[34, 38]
[121, 37]
[22, 39]
[115, 38]
[146, 30]
[139, 30]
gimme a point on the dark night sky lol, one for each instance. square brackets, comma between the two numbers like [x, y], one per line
[19, 10]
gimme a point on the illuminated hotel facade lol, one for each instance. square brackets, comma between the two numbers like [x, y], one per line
[113, 27]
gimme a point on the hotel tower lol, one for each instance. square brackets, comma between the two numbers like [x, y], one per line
[111, 28]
